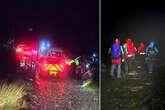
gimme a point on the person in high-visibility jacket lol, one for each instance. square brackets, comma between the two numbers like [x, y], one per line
[129, 55]
[79, 72]
[140, 57]
[116, 57]
[151, 52]
[141, 49]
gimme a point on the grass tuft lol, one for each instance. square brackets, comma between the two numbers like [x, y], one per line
[10, 94]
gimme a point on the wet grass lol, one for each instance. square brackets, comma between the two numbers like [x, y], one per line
[10, 94]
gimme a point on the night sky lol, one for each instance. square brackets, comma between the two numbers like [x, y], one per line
[71, 24]
[144, 20]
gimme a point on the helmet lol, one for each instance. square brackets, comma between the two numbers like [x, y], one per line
[117, 41]
[128, 41]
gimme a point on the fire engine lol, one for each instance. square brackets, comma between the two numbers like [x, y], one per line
[26, 56]
[50, 62]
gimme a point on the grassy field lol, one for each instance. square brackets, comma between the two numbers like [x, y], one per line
[11, 95]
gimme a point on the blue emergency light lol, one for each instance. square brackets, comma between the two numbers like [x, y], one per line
[44, 45]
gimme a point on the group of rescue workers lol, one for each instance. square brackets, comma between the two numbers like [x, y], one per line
[84, 70]
[87, 69]
[124, 56]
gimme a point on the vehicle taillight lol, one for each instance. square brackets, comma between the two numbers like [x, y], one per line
[24, 58]
[19, 50]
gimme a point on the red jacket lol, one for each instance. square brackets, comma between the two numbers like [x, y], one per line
[141, 48]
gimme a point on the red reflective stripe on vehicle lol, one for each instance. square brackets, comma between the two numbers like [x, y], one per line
[58, 67]
[48, 67]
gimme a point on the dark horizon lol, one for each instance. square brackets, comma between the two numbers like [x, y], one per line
[144, 20]
[71, 24]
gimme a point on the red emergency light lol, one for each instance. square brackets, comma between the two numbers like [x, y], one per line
[24, 51]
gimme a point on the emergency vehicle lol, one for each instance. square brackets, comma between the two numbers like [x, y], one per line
[26, 56]
[50, 62]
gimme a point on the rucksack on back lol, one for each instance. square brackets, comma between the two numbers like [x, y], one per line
[115, 51]
[151, 52]
[131, 49]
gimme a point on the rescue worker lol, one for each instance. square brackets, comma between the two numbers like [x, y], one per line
[129, 55]
[116, 57]
[125, 61]
[79, 72]
[140, 58]
[88, 70]
[141, 49]
[151, 52]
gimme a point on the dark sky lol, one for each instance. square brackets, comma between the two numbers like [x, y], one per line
[145, 20]
[72, 24]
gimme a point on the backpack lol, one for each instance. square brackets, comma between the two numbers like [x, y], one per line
[151, 52]
[115, 51]
[131, 49]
